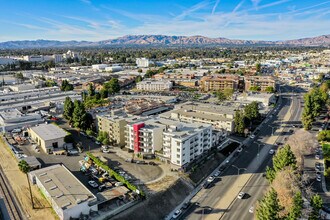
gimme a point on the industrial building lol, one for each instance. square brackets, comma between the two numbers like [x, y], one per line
[66, 194]
[48, 136]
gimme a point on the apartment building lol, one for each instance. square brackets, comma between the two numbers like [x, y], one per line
[219, 82]
[220, 117]
[145, 136]
[180, 142]
[184, 143]
[150, 85]
[115, 125]
[261, 81]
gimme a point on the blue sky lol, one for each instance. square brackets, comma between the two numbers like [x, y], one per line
[95, 20]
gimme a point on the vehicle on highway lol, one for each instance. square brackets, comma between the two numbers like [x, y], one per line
[241, 195]
[239, 149]
[252, 136]
[251, 210]
[93, 184]
[216, 174]
[177, 213]
[210, 179]
[271, 151]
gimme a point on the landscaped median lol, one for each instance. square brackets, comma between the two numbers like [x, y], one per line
[114, 174]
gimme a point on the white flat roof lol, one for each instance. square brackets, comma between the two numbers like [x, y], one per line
[49, 131]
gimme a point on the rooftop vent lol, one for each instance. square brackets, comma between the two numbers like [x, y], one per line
[43, 174]
[47, 180]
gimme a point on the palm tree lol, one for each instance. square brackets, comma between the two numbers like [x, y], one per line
[25, 168]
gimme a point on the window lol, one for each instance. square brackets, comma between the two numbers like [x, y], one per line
[178, 155]
[178, 161]
[178, 150]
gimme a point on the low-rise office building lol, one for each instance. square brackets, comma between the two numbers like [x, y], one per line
[65, 193]
[265, 99]
[151, 85]
[48, 136]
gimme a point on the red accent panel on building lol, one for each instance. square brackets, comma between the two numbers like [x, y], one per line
[136, 128]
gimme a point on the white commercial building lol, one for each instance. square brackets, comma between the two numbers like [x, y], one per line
[66, 194]
[5, 60]
[99, 66]
[151, 85]
[48, 136]
[113, 68]
[142, 62]
[265, 99]
[12, 118]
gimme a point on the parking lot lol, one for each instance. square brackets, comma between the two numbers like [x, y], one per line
[137, 173]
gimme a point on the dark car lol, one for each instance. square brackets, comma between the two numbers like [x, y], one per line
[222, 168]
[141, 162]
[152, 163]
[186, 205]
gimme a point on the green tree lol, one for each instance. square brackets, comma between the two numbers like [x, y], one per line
[298, 203]
[138, 79]
[228, 92]
[270, 174]
[66, 86]
[284, 157]
[239, 121]
[270, 89]
[25, 168]
[221, 96]
[112, 86]
[251, 111]
[140, 70]
[79, 115]
[316, 203]
[91, 89]
[268, 208]
[255, 88]
[68, 109]
[104, 93]
[258, 67]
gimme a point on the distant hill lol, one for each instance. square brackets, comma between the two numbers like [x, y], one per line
[163, 40]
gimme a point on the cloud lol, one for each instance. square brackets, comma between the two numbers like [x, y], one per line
[238, 6]
[192, 9]
[255, 3]
[215, 6]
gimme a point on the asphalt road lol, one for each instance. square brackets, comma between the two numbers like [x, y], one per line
[239, 209]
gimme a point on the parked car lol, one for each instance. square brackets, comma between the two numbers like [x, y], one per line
[252, 136]
[186, 205]
[271, 151]
[317, 156]
[241, 195]
[152, 163]
[72, 153]
[141, 162]
[83, 134]
[93, 184]
[210, 179]
[318, 179]
[216, 174]
[251, 210]
[177, 213]
[106, 151]
[239, 149]
[119, 184]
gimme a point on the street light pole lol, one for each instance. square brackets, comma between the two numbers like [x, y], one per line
[272, 129]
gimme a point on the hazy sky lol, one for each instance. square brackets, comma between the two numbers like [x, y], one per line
[94, 20]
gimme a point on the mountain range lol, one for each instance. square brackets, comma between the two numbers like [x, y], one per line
[164, 40]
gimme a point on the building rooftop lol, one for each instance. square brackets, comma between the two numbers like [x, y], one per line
[62, 186]
[10, 113]
[194, 114]
[49, 131]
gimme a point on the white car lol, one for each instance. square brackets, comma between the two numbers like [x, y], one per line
[251, 210]
[271, 151]
[98, 143]
[241, 195]
[93, 184]
[177, 213]
[318, 179]
[210, 179]
[252, 136]
[106, 151]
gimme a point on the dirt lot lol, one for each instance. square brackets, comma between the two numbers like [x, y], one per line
[19, 184]
[159, 205]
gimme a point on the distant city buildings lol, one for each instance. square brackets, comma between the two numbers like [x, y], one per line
[143, 62]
